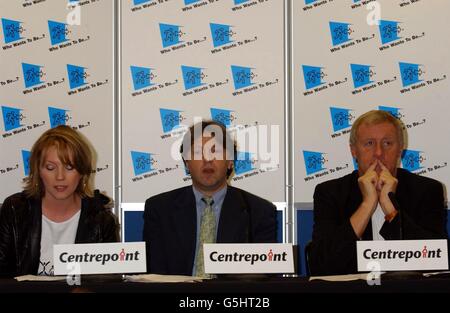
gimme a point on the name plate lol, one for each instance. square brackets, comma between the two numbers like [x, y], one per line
[222, 258]
[402, 255]
[99, 258]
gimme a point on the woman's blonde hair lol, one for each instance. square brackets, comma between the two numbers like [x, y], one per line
[72, 149]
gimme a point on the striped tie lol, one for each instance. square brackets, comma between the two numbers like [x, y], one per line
[207, 235]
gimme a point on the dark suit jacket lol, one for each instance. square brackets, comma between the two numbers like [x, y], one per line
[170, 226]
[423, 215]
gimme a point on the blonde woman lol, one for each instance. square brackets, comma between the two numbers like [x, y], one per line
[57, 206]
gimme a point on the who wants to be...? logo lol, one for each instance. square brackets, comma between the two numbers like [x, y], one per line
[170, 34]
[242, 76]
[142, 162]
[58, 32]
[313, 76]
[221, 34]
[411, 73]
[192, 76]
[340, 118]
[314, 161]
[170, 119]
[26, 162]
[142, 77]
[244, 162]
[32, 74]
[58, 116]
[225, 117]
[77, 76]
[361, 75]
[412, 160]
[12, 30]
[395, 112]
[340, 33]
[138, 2]
[389, 31]
[12, 118]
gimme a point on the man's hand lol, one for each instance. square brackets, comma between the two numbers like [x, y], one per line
[368, 185]
[386, 184]
[374, 189]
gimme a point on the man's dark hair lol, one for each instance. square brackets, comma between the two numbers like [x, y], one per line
[208, 128]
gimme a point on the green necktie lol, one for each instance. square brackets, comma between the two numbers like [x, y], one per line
[207, 234]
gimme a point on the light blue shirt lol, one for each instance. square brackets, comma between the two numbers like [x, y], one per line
[218, 198]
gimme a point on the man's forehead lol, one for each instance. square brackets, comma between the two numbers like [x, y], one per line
[373, 128]
[383, 130]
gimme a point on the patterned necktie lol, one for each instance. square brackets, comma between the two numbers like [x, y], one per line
[207, 234]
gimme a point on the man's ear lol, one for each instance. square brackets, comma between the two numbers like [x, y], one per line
[400, 153]
[353, 151]
[230, 168]
[186, 166]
